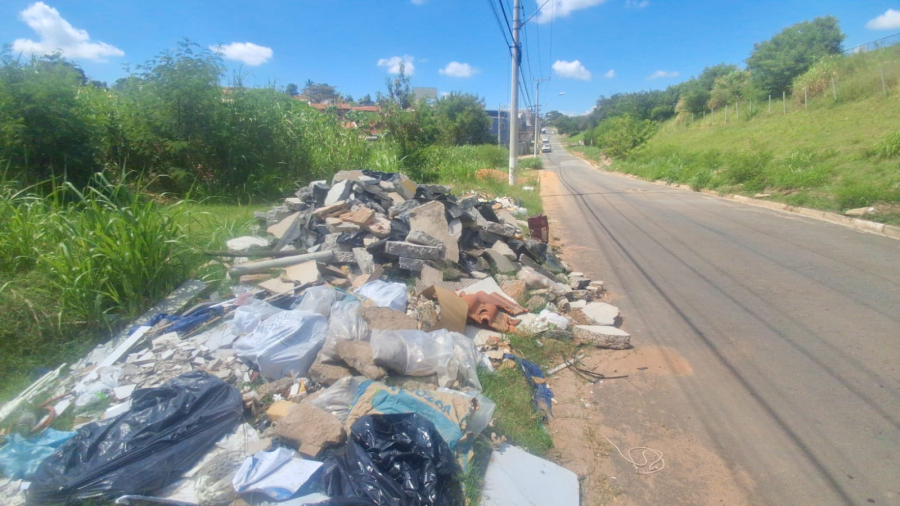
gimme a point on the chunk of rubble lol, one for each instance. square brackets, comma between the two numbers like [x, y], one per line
[430, 218]
[603, 336]
[358, 355]
[601, 313]
[410, 250]
[310, 429]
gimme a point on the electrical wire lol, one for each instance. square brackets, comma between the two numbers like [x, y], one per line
[540, 62]
[503, 32]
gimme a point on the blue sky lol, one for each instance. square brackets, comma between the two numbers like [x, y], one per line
[588, 47]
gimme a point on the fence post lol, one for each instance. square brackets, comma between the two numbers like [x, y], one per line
[833, 88]
[806, 97]
[692, 118]
[783, 106]
[883, 87]
[750, 112]
[737, 110]
[770, 103]
[726, 114]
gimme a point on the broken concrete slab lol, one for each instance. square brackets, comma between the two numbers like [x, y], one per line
[330, 209]
[327, 374]
[310, 429]
[431, 219]
[601, 313]
[360, 217]
[423, 238]
[603, 336]
[276, 285]
[364, 260]
[516, 289]
[347, 175]
[379, 226]
[358, 355]
[500, 261]
[411, 264]
[406, 187]
[306, 273]
[578, 304]
[410, 250]
[384, 318]
[282, 226]
[339, 191]
[504, 249]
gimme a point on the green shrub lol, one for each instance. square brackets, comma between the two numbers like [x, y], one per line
[888, 146]
[620, 135]
[818, 78]
[532, 163]
[852, 193]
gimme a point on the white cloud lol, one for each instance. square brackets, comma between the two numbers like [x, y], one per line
[562, 8]
[393, 64]
[661, 74]
[245, 52]
[445, 93]
[456, 69]
[637, 4]
[610, 74]
[890, 20]
[571, 70]
[57, 34]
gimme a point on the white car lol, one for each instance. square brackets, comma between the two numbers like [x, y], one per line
[545, 148]
[546, 138]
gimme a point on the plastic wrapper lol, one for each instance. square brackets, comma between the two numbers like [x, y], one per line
[20, 457]
[392, 295]
[552, 318]
[285, 343]
[249, 315]
[279, 474]
[344, 324]
[337, 398]
[415, 353]
[397, 460]
[319, 299]
[166, 432]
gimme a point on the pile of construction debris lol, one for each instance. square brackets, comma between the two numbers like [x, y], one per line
[374, 304]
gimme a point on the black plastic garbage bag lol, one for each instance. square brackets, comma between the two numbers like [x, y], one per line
[543, 254]
[166, 432]
[396, 460]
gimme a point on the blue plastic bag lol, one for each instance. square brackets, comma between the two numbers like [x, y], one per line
[20, 457]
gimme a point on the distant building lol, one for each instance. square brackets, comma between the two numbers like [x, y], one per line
[500, 126]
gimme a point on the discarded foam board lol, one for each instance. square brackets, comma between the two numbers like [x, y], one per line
[517, 478]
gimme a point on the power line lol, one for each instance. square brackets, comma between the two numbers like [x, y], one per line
[552, 18]
[499, 24]
[505, 17]
[540, 62]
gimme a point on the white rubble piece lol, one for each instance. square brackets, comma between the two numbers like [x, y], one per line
[515, 477]
[246, 242]
[601, 313]
[603, 336]
[338, 192]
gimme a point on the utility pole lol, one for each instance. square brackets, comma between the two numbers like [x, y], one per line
[537, 115]
[514, 98]
[499, 123]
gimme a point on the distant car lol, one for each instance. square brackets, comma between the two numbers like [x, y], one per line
[545, 148]
[546, 139]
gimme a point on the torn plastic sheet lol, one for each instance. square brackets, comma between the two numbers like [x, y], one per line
[319, 299]
[278, 474]
[345, 324]
[384, 294]
[182, 324]
[167, 430]
[20, 457]
[394, 460]
[285, 343]
[541, 393]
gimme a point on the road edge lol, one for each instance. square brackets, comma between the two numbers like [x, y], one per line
[871, 227]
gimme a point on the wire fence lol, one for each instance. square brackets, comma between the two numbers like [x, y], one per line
[875, 44]
[867, 74]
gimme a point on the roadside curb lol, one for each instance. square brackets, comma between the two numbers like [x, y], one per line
[872, 227]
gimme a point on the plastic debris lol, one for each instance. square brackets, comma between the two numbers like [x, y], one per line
[278, 474]
[392, 295]
[20, 457]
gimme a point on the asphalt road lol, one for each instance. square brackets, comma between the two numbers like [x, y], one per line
[789, 327]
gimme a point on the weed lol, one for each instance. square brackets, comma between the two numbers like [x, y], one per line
[889, 146]
[531, 163]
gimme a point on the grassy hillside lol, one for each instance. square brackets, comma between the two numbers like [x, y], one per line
[833, 154]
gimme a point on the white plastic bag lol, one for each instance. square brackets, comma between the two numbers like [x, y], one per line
[285, 343]
[344, 324]
[278, 474]
[416, 353]
[392, 295]
[318, 299]
[248, 316]
[466, 357]
[336, 399]
[561, 322]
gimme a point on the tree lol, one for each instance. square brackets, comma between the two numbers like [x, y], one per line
[348, 98]
[292, 89]
[461, 119]
[399, 91]
[729, 88]
[775, 63]
[319, 93]
[366, 100]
